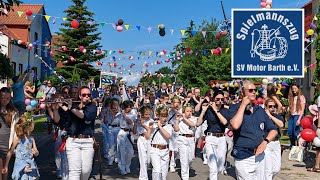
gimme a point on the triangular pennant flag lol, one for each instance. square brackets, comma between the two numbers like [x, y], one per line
[149, 29]
[20, 13]
[90, 23]
[47, 17]
[102, 24]
[227, 49]
[204, 33]
[182, 32]
[139, 28]
[150, 53]
[305, 69]
[171, 31]
[315, 18]
[197, 52]
[204, 52]
[306, 49]
[193, 33]
[212, 51]
[127, 26]
[54, 20]
[214, 33]
[64, 19]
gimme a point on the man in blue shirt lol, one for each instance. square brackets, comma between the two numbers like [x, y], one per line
[253, 130]
[18, 91]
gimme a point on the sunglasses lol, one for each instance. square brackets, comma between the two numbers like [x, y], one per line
[219, 99]
[252, 90]
[66, 92]
[271, 106]
[85, 95]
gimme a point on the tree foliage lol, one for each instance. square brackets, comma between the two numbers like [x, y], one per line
[86, 35]
[148, 79]
[7, 4]
[316, 75]
[6, 70]
[196, 70]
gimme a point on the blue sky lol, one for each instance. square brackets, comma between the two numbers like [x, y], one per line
[174, 14]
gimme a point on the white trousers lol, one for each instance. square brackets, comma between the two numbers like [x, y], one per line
[112, 143]
[80, 154]
[273, 159]
[186, 147]
[160, 163]
[251, 168]
[216, 148]
[64, 167]
[144, 156]
[124, 151]
[57, 153]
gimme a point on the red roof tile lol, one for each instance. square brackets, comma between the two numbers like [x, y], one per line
[13, 18]
[8, 32]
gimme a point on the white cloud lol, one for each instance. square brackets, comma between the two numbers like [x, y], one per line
[132, 80]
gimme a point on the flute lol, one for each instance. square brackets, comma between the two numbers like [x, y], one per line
[62, 101]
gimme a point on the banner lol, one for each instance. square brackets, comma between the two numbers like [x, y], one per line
[267, 43]
[107, 78]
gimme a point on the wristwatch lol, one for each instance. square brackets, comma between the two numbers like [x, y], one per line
[265, 139]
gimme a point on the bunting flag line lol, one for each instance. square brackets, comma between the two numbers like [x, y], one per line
[47, 17]
[182, 32]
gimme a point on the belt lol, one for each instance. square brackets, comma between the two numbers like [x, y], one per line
[81, 136]
[187, 135]
[125, 129]
[114, 125]
[215, 134]
[160, 146]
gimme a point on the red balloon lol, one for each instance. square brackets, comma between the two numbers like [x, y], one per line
[307, 122]
[260, 100]
[308, 134]
[218, 35]
[216, 52]
[28, 12]
[75, 24]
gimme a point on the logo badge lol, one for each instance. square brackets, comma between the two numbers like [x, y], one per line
[262, 126]
[267, 43]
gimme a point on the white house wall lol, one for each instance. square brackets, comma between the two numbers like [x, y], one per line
[4, 40]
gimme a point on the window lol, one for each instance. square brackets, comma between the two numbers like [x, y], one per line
[14, 68]
[35, 39]
[20, 68]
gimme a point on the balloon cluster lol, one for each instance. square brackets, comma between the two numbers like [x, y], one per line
[266, 4]
[162, 31]
[31, 104]
[308, 134]
[119, 24]
[232, 84]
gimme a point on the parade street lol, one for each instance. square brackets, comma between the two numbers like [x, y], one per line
[289, 171]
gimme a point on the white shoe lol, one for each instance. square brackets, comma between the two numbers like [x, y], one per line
[172, 170]
[224, 172]
[205, 162]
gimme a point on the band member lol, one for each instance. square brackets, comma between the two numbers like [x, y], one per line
[273, 150]
[143, 129]
[159, 153]
[252, 131]
[124, 141]
[79, 144]
[113, 120]
[173, 146]
[185, 127]
[105, 112]
[216, 145]
[62, 126]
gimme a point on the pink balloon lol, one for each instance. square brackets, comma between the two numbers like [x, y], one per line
[263, 4]
[119, 28]
[42, 106]
[27, 102]
[263, 0]
[81, 48]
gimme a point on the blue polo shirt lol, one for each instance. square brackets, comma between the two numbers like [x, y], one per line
[278, 129]
[214, 124]
[65, 119]
[251, 133]
[83, 126]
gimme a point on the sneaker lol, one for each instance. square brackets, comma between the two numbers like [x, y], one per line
[172, 170]
[123, 172]
[205, 162]
[128, 170]
[224, 172]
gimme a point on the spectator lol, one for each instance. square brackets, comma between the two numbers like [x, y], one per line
[50, 90]
[163, 90]
[28, 90]
[18, 91]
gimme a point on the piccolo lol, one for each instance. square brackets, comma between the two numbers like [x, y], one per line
[62, 101]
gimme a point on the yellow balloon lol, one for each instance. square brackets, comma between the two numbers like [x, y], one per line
[310, 32]
[236, 85]
[305, 70]
[226, 85]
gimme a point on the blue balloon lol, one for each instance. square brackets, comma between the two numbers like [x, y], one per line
[33, 103]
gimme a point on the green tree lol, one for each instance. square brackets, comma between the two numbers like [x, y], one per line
[85, 35]
[165, 71]
[6, 70]
[7, 4]
[317, 69]
[196, 70]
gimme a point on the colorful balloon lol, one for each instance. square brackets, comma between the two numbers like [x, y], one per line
[27, 102]
[75, 24]
[120, 22]
[119, 28]
[29, 12]
[310, 32]
[33, 103]
[42, 106]
[307, 122]
[29, 108]
[308, 134]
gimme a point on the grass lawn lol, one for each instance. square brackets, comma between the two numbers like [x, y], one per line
[40, 125]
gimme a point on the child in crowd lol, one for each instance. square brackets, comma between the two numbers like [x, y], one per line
[24, 147]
